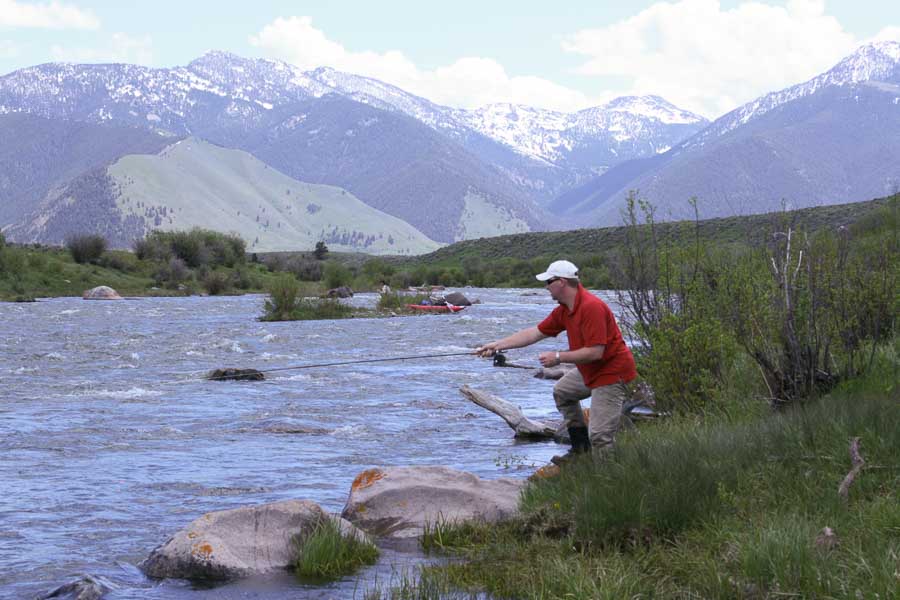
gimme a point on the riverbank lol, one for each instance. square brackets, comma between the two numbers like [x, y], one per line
[745, 504]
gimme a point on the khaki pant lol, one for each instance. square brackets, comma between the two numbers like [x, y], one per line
[606, 408]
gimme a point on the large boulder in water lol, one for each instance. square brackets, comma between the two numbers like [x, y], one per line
[399, 502]
[339, 292]
[101, 292]
[457, 299]
[241, 542]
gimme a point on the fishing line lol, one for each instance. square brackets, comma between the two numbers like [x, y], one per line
[194, 376]
[353, 362]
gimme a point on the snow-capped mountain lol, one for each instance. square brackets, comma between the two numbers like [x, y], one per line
[878, 61]
[830, 140]
[550, 135]
[244, 90]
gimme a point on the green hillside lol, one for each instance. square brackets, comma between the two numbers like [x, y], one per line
[196, 184]
[751, 229]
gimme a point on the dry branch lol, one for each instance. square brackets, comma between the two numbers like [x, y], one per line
[858, 463]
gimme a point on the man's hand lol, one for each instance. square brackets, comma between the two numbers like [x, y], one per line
[549, 359]
[488, 350]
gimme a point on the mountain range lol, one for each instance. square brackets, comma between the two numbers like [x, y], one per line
[830, 140]
[86, 144]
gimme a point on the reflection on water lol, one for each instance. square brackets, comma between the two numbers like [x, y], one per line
[110, 440]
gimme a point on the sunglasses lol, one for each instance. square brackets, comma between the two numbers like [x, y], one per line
[551, 280]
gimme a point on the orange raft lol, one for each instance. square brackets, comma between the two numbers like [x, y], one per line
[439, 308]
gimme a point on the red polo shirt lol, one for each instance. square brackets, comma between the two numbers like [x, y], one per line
[592, 323]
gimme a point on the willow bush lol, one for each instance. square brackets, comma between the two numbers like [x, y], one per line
[807, 309]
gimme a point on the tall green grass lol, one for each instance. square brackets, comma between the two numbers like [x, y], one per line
[725, 506]
[326, 554]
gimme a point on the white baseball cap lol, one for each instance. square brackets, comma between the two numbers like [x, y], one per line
[560, 268]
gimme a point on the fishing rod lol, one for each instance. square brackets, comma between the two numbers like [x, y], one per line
[341, 363]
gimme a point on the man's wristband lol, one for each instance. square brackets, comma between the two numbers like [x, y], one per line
[558, 361]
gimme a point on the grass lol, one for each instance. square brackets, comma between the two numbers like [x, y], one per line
[729, 505]
[326, 554]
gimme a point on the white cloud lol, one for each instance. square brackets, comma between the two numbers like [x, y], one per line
[120, 48]
[888, 34]
[710, 60]
[8, 49]
[468, 82]
[52, 15]
[694, 53]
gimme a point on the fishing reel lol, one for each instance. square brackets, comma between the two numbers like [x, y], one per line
[499, 359]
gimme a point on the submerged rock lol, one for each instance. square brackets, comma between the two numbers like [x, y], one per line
[399, 502]
[235, 375]
[101, 292]
[242, 542]
[88, 587]
[339, 292]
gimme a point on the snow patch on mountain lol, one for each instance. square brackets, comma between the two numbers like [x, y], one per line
[878, 61]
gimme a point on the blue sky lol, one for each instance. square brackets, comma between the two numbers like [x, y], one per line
[708, 56]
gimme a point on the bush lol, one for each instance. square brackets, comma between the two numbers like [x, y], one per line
[303, 267]
[197, 247]
[172, 273]
[86, 248]
[394, 301]
[216, 282]
[120, 261]
[283, 295]
[336, 275]
[685, 363]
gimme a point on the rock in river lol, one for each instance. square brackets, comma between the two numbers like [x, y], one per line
[399, 502]
[101, 292]
[241, 542]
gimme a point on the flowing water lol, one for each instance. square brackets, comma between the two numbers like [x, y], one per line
[110, 440]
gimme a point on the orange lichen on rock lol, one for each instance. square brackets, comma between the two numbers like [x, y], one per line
[545, 472]
[367, 478]
[203, 550]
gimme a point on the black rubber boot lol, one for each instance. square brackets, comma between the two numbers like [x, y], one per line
[581, 444]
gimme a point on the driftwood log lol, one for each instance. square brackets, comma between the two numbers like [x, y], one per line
[522, 426]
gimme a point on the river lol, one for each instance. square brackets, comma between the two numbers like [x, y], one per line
[110, 440]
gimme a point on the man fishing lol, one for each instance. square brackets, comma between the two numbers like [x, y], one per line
[596, 347]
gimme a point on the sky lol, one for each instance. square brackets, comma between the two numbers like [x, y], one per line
[706, 56]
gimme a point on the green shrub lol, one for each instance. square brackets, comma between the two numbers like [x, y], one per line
[283, 294]
[173, 273]
[685, 362]
[336, 275]
[120, 261]
[12, 262]
[303, 267]
[216, 282]
[326, 554]
[197, 247]
[86, 248]
[395, 301]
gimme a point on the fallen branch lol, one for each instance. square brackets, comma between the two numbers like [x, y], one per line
[512, 414]
[858, 463]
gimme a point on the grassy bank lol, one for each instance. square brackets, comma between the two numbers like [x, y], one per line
[732, 506]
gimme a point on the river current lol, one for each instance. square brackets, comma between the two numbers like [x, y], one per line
[111, 441]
